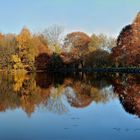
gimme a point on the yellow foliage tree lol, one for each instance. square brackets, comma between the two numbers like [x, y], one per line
[16, 61]
[26, 49]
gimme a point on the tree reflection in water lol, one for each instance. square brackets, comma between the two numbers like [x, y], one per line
[54, 92]
[127, 87]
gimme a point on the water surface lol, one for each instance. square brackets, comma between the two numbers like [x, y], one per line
[69, 107]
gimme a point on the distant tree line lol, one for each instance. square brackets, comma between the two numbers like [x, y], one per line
[49, 51]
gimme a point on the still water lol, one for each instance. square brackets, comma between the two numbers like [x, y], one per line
[69, 107]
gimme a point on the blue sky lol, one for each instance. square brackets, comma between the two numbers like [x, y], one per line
[91, 16]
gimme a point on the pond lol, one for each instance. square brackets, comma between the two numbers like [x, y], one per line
[69, 106]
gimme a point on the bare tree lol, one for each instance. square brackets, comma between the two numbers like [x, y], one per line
[53, 34]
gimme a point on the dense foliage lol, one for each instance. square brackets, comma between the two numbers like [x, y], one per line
[49, 51]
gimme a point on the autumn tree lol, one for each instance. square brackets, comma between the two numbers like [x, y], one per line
[8, 40]
[98, 58]
[7, 48]
[77, 41]
[101, 41]
[128, 45]
[41, 44]
[75, 47]
[5, 57]
[25, 49]
[16, 62]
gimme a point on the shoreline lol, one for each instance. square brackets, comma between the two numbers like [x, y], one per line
[86, 70]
